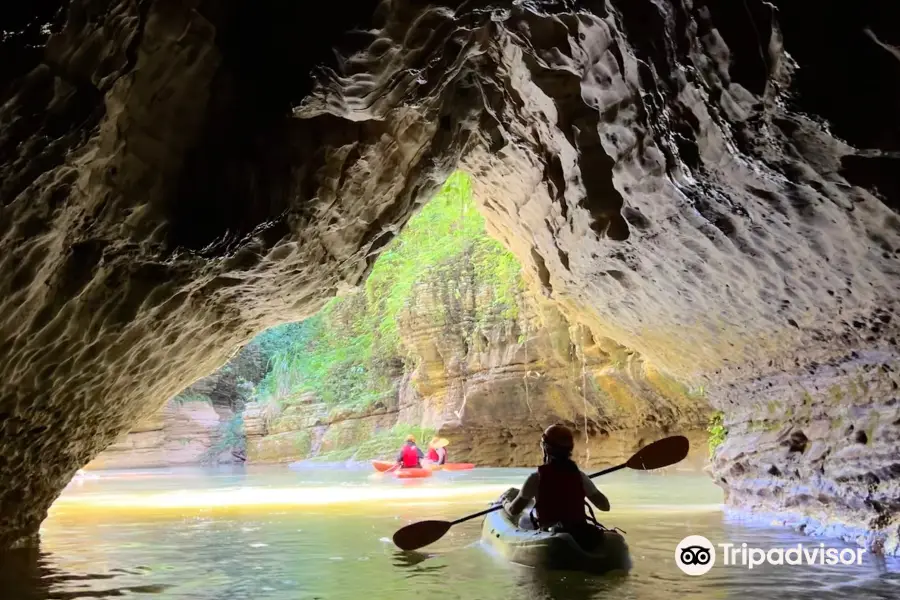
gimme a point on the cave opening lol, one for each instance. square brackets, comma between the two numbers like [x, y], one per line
[441, 336]
[442, 283]
[178, 176]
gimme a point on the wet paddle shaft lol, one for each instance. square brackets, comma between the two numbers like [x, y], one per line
[659, 454]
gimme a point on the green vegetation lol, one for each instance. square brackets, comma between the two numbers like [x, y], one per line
[428, 250]
[444, 267]
[381, 444]
[185, 397]
[717, 432]
[230, 439]
[331, 355]
[350, 354]
[836, 394]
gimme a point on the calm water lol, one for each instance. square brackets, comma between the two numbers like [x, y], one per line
[276, 533]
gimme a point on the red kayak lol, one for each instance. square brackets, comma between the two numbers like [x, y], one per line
[458, 466]
[411, 473]
[383, 465]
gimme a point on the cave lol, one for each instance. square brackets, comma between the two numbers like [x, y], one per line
[709, 185]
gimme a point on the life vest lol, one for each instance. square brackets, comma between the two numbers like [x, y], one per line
[433, 455]
[560, 496]
[409, 457]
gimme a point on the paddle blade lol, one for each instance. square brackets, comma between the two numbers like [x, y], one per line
[418, 535]
[659, 454]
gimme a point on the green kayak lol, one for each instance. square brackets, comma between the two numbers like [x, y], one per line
[553, 550]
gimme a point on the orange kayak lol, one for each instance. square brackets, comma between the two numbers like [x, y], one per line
[458, 466]
[411, 473]
[383, 465]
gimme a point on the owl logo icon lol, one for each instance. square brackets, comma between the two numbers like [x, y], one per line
[695, 555]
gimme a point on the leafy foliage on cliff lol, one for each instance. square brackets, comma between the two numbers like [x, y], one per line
[330, 354]
[379, 445]
[230, 438]
[446, 238]
[351, 353]
[717, 432]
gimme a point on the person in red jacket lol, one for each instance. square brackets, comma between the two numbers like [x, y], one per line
[558, 489]
[437, 451]
[410, 456]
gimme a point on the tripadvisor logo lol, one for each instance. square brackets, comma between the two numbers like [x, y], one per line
[696, 555]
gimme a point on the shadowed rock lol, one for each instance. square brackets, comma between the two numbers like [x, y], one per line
[173, 180]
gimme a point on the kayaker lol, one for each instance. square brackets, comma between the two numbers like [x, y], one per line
[410, 455]
[437, 450]
[558, 489]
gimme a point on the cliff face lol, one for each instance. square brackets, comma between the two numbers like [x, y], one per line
[817, 450]
[313, 429]
[489, 366]
[177, 434]
[491, 378]
[195, 426]
[492, 398]
[709, 184]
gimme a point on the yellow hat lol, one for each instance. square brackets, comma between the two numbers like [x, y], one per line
[439, 442]
[411, 438]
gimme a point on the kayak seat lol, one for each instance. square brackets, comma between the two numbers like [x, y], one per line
[589, 536]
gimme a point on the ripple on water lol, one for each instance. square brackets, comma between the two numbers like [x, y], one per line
[247, 550]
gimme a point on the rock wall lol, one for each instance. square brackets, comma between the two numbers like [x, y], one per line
[492, 380]
[189, 428]
[177, 434]
[312, 429]
[817, 450]
[490, 373]
[709, 184]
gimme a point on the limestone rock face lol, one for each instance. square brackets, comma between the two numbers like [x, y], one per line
[177, 434]
[492, 380]
[491, 377]
[311, 428]
[188, 428]
[712, 185]
[817, 450]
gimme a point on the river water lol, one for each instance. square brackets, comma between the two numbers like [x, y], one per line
[324, 533]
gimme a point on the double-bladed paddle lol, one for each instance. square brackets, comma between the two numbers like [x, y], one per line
[659, 454]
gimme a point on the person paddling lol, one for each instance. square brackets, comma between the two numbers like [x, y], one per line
[437, 450]
[410, 455]
[558, 489]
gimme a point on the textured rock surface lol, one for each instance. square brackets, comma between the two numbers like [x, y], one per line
[818, 450]
[177, 434]
[491, 385]
[490, 368]
[311, 429]
[710, 184]
[188, 427]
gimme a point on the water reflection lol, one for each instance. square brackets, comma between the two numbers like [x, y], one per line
[29, 574]
[548, 585]
[410, 558]
[302, 546]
